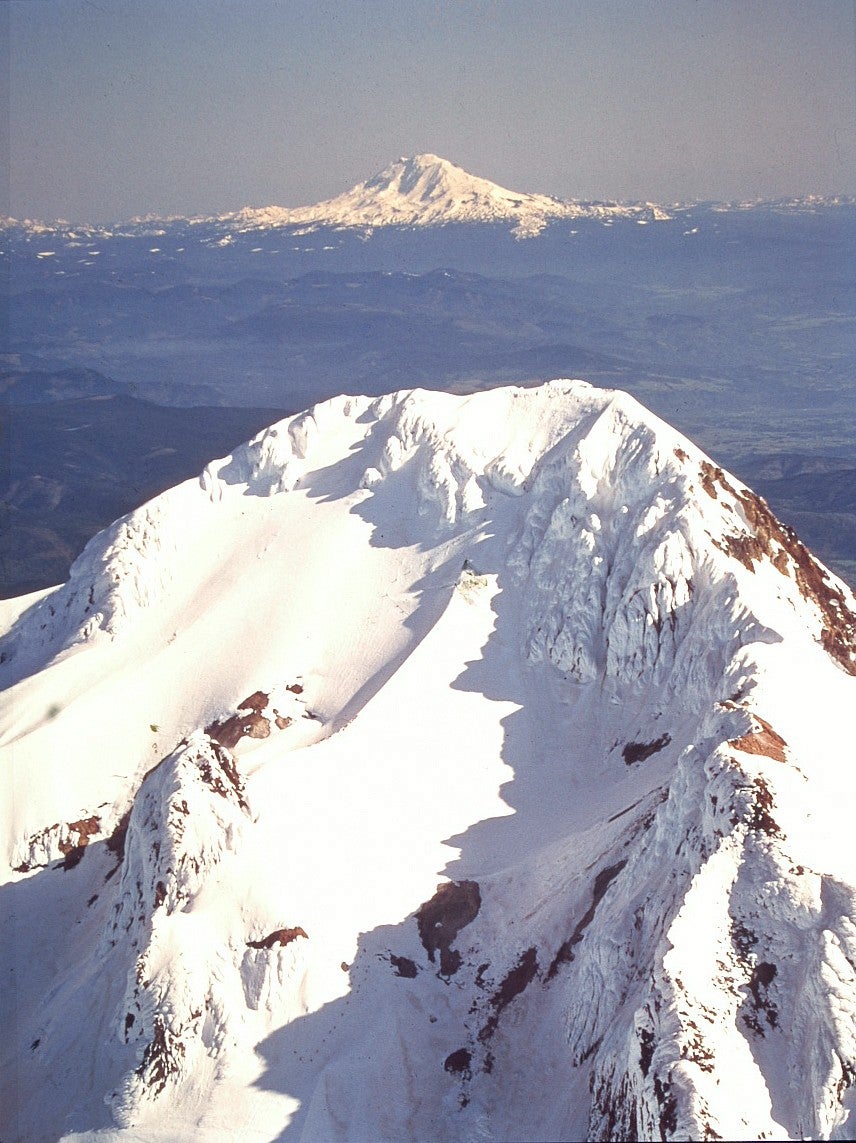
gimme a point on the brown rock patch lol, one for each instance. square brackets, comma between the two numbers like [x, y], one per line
[162, 1057]
[639, 751]
[511, 985]
[780, 544]
[79, 833]
[602, 882]
[230, 732]
[764, 741]
[71, 840]
[710, 477]
[278, 937]
[759, 817]
[459, 1063]
[403, 966]
[225, 780]
[257, 701]
[454, 906]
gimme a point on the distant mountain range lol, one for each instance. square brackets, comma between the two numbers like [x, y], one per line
[732, 321]
[82, 450]
[427, 190]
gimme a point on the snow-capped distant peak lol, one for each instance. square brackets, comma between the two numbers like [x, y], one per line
[428, 183]
[427, 190]
[423, 190]
[425, 177]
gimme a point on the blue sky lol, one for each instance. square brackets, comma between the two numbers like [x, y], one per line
[127, 107]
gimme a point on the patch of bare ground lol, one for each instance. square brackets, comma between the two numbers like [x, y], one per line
[280, 937]
[743, 939]
[761, 818]
[761, 975]
[566, 950]
[459, 1062]
[511, 985]
[639, 751]
[250, 721]
[772, 540]
[161, 1058]
[668, 1105]
[116, 840]
[710, 477]
[225, 780]
[695, 1049]
[229, 732]
[454, 906]
[766, 742]
[615, 1107]
[756, 813]
[79, 834]
[257, 701]
[71, 839]
[404, 966]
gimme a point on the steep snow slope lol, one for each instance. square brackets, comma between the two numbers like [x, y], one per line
[425, 190]
[434, 767]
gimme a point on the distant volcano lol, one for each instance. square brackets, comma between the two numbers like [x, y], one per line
[426, 190]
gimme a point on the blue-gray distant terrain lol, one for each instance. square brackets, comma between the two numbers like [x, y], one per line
[135, 353]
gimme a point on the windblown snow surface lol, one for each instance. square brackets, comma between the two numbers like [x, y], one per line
[434, 767]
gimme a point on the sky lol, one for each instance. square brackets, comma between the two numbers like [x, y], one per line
[121, 108]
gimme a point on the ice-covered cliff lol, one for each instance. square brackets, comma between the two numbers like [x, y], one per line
[434, 767]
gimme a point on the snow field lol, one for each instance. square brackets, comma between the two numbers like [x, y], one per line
[526, 645]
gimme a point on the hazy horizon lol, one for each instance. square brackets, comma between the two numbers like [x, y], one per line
[121, 109]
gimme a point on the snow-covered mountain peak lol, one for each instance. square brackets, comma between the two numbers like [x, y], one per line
[427, 182]
[426, 190]
[426, 176]
[419, 728]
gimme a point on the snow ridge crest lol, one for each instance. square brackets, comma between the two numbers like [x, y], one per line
[625, 520]
[189, 814]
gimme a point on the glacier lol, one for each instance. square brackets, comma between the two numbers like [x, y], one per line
[434, 766]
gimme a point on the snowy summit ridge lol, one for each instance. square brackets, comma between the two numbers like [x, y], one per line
[422, 730]
[426, 190]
